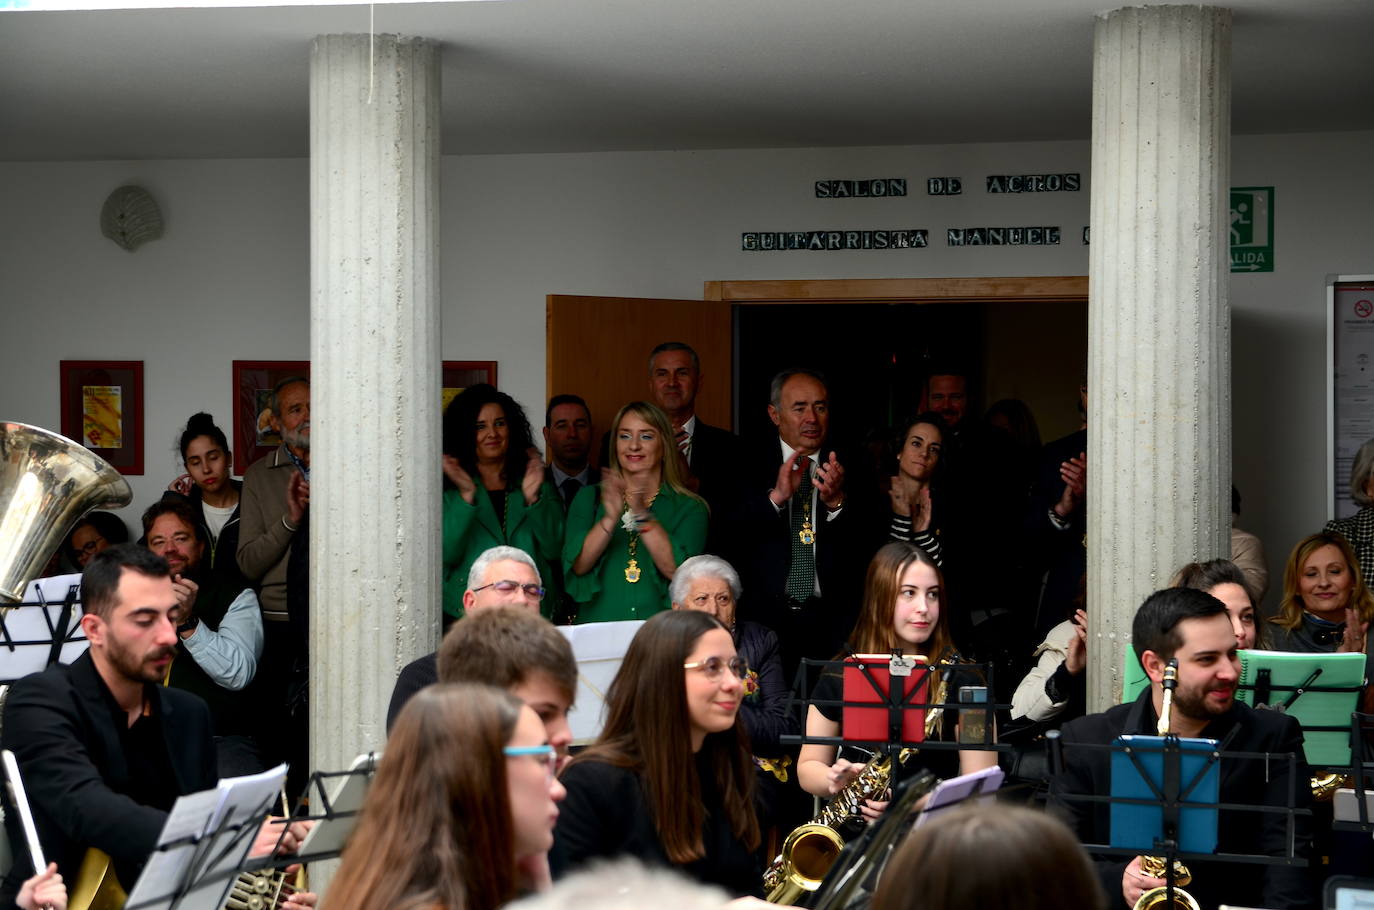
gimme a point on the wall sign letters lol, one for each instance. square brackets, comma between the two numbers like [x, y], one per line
[1002, 236]
[861, 189]
[833, 240]
[1034, 183]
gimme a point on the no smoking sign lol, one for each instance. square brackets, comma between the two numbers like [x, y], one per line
[1364, 308]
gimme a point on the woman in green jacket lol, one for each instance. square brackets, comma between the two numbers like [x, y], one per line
[627, 534]
[494, 491]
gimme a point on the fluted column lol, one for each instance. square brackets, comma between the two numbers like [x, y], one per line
[374, 287]
[1159, 351]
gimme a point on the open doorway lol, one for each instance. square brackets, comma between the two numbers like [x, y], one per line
[876, 356]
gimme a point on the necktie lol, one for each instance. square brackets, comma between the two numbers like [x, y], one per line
[801, 574]
[569, 488]
[684, 445]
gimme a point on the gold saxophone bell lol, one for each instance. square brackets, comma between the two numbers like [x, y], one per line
[808, 853]
[1158, 898]
[1324, 786]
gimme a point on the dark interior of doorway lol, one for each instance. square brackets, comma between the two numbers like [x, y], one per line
[876, 356]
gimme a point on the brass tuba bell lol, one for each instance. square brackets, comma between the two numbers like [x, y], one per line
[47, 483]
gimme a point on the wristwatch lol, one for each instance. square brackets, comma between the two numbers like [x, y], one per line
[188, 626]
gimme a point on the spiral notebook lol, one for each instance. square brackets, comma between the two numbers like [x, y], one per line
[1323, 706]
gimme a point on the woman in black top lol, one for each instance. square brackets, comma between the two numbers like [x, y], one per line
[914, 504]
[669, 779]
[903, 610]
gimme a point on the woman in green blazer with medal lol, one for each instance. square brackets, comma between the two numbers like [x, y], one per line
[627, 535]
[494, 492]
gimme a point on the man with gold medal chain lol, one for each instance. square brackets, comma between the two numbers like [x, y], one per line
[626, 535]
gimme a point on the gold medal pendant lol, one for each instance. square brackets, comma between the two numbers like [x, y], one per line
[806, 535]
[632, 571]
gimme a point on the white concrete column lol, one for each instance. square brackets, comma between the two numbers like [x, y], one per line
[374, 288]
[1159, 351]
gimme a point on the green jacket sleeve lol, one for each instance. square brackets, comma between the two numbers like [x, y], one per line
[687, 530]
[584, 512]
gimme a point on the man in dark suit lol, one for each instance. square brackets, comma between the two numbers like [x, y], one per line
[567, 443]
[798, 541]
[1193, 628]
[1056, 524]
[711, 453]
[104, 750]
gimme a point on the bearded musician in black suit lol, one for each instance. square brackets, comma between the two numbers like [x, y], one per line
[103, 749]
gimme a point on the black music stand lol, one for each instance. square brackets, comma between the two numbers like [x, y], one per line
[43, 629]
[1172, 796]
[340, 808]
[195, 872]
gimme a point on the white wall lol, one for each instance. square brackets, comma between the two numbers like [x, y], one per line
[230, 278]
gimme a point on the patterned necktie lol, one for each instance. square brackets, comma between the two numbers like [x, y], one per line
[684, 445]
[801, 574]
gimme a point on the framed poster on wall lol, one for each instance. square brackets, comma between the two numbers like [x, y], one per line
[459, 374]
[1350, 382]
[254, 431]
[102, 408]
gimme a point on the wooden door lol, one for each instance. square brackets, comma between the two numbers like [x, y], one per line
[598, 347]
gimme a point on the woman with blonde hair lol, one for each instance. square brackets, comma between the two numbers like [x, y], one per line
[626, 536]
[461, 811]
[1326, 606]
[903, 609]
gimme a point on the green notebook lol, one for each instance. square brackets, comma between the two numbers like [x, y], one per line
[1133, 678]
[1324, 714]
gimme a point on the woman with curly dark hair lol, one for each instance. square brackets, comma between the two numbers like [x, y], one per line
[494, 491]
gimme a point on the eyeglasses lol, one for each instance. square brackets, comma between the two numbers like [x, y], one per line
[544, 754]
[506, 586]
[714, 666]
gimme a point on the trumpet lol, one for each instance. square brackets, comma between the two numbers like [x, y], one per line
[1156, 866]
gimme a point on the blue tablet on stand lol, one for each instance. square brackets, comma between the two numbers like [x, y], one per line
[1138, 773]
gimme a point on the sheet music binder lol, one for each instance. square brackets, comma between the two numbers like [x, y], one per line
[1323, 706]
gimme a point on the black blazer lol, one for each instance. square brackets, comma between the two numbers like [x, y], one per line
[760, 548]
[61, 725]
[1252, 782]
[1061, 554]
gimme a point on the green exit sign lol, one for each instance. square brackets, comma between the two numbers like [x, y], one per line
[1252, 229]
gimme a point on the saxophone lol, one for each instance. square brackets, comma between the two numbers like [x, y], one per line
[1155, 866]
[811, 849]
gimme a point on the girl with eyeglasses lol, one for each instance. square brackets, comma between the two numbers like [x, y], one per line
[460, 814]
[903, 608]
[495, 492]
[669, 780]
[627, 534]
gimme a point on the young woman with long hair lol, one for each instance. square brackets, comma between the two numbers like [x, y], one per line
[914, 517]
[460, 813]
[669, 780]
[1225, 581]
[627, 534]
[495, 492]
[902, 609]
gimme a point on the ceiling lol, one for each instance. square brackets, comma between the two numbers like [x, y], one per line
[597, 75]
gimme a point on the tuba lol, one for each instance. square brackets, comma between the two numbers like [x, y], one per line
[1156, 866]
[47, 483]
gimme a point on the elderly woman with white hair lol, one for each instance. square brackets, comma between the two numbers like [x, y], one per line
[711, 584]
[1359, 528]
